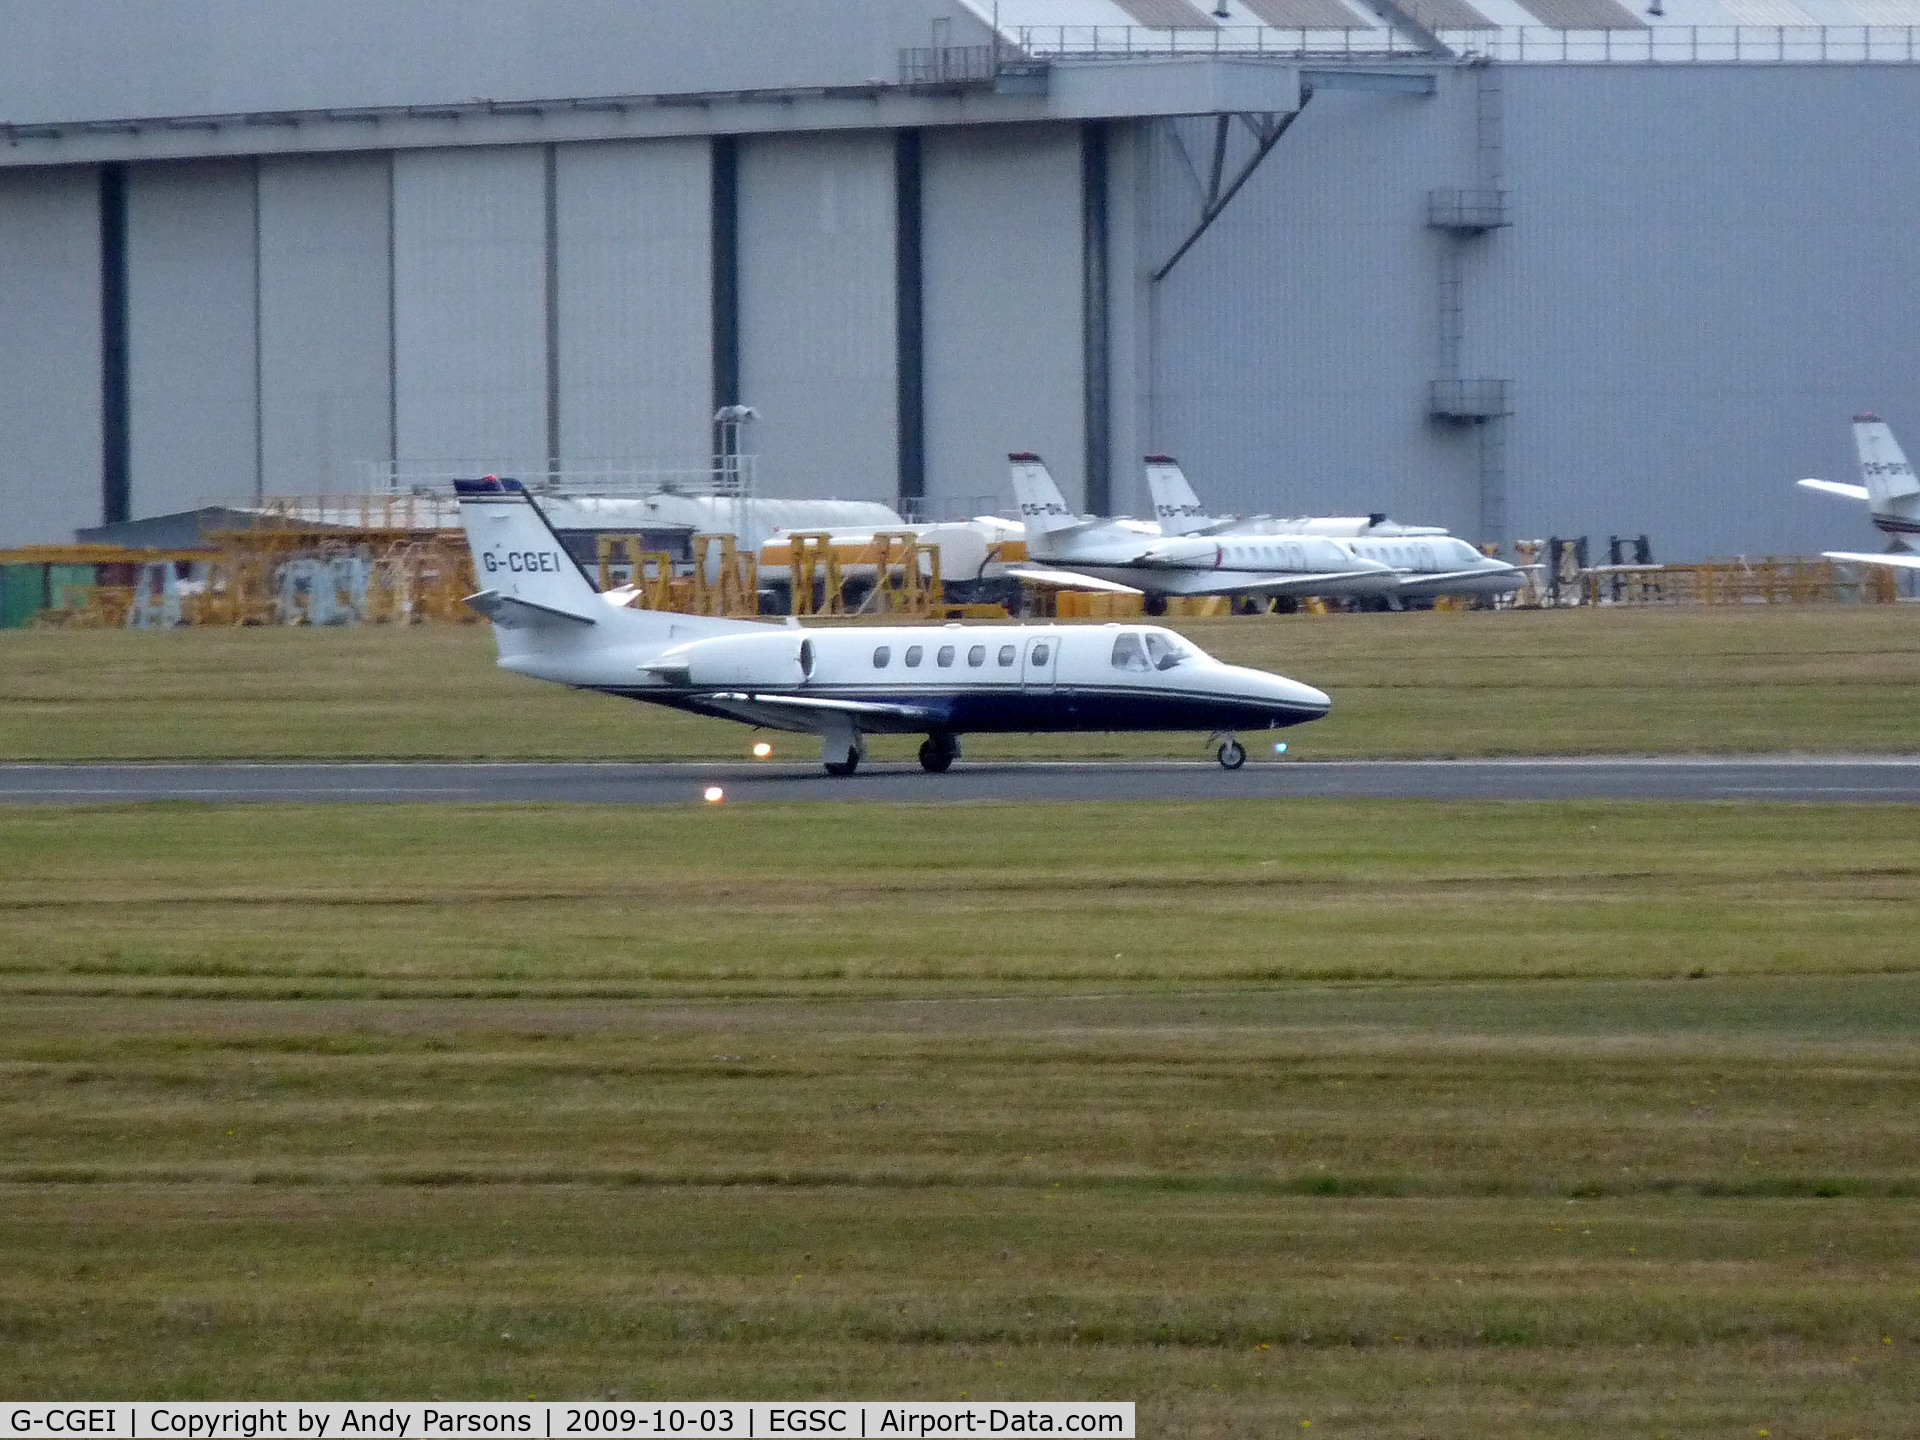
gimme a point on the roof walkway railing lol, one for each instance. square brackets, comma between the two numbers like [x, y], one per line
[1521, 44]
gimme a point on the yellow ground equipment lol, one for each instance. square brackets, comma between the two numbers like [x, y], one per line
[813, 572]
[900, 569]
[649, 572]
[726, 580]
[1097, 605]
[906, 575]
[1770, 580]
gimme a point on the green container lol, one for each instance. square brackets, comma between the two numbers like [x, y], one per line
[23, 594]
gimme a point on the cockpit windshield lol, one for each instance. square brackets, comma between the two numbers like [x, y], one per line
[1165, 651]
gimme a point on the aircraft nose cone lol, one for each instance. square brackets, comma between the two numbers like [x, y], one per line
[1279, 690]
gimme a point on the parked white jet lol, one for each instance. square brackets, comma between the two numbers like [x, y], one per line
[1123, 555]
[1180, 512]
[1891, 491]
[843, 684]
[1429, 561]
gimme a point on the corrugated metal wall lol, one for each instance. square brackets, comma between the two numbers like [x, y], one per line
[1293, 345]
[635, 319]
[1709, 273]
[192, 378]
[817, 313]
[49, 355]
[1004, 368]
[470, 305]
[1710, 269]
[325, 322]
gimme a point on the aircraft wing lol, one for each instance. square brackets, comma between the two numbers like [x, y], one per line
[1835, 487]
[516, 614]
[1449, 576]
[808, 712]
[1067, 579]
[1905, 559]
[1228, 582]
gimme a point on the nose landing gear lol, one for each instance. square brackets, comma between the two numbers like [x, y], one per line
[1231, 753]
[937, 752]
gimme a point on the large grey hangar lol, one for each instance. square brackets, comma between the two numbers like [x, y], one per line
[1518, 267]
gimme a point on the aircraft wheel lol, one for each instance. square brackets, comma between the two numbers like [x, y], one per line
[846, 766]
[1231, 755]
[937, 752]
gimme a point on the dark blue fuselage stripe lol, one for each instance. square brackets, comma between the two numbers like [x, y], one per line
[1014, 709]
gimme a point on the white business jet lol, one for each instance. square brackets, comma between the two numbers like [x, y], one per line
[1075, 550]
[1428, 560]
[1178, 511]
[842, 684]
[1891, 491]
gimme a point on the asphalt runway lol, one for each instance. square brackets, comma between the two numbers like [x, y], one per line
[1858, 779]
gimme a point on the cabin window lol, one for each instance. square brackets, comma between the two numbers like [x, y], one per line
[977, 656]
[945, 656]
[1040, 653]
[1006, 654]
[1164, 651]
[914, 652]
[1129, 653]
[881, 655]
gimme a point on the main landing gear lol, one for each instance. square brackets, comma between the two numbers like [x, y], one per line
[1231, 753]
[842, 748]
[937, 752]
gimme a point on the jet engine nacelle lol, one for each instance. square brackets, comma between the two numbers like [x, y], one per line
[782, 658]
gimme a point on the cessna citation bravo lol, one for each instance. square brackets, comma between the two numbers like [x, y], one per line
[1427, 561]
[941, 681]
[1077, 550]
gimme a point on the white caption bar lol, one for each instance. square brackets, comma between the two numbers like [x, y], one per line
[566, 1420]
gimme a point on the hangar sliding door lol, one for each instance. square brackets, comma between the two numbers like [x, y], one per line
[1001, 210]
[817, 313]
[632, 237]
[49, 354]
[470, 308]
[193, 416]
[325, 385]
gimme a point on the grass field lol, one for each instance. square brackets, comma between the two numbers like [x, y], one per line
[1819, 678]
[1400, 1119]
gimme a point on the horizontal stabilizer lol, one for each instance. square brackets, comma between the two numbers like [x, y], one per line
[1903, 559]
[1834, 487]
[1067, 580]
[512, 613]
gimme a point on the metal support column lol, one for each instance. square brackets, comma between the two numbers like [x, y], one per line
[1097, 365]
[725, 197]
[116, 438]
[909, 326]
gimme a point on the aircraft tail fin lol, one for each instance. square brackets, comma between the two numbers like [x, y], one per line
[1043, 509]
[1175, 505]
[517, 557]
[1892, 489]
